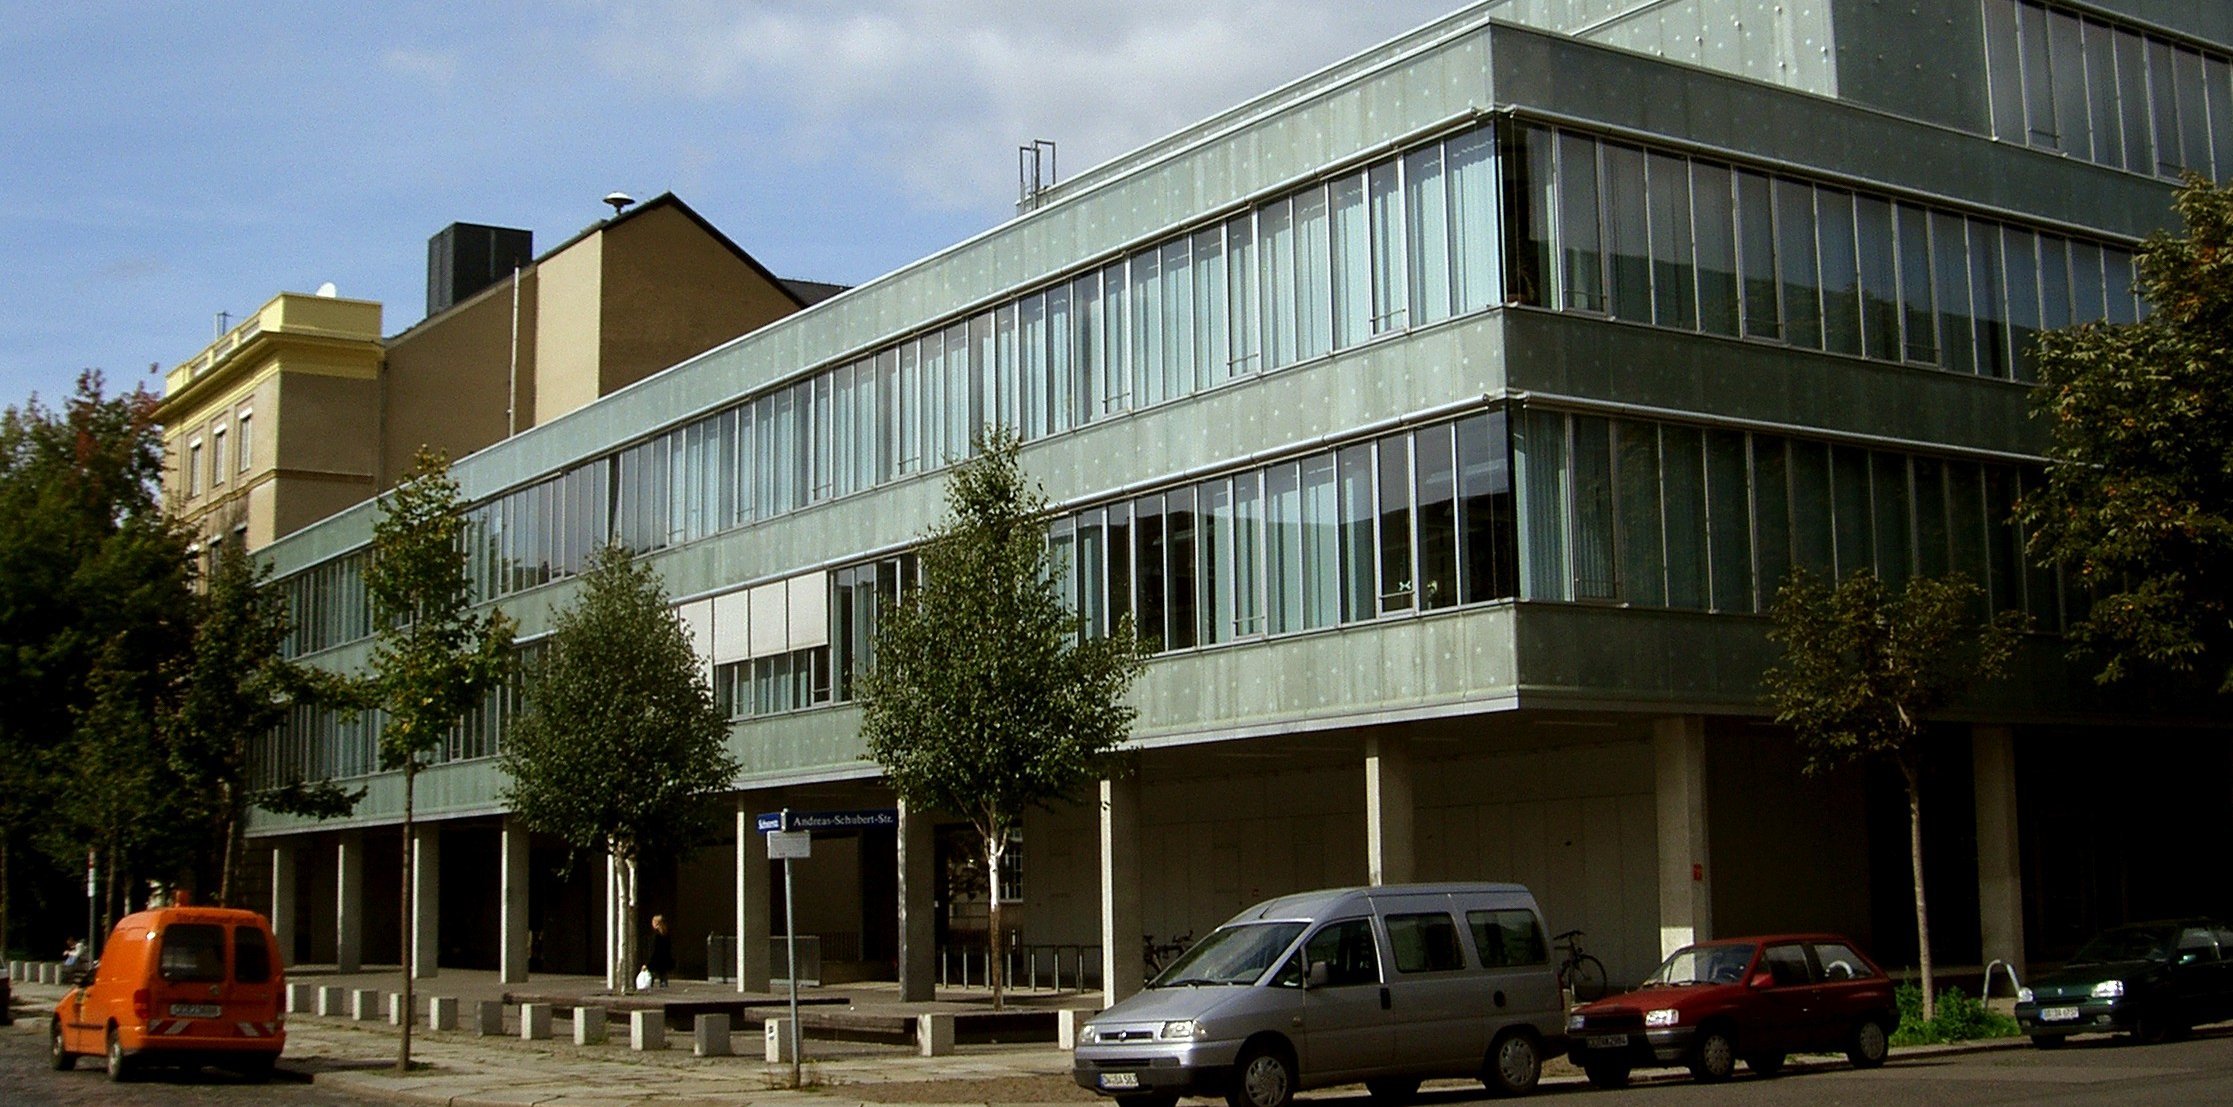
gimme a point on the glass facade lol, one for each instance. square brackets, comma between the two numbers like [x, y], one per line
[2112, 94]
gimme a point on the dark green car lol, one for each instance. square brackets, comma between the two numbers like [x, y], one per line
[2149, 980]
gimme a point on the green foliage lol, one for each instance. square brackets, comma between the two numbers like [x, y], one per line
[1862, 665]
[621, 748]
[983, 701]
[2138, 502]
[433, 659]
[1959, 1019]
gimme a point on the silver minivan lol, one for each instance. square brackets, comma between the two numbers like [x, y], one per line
[1387, 985]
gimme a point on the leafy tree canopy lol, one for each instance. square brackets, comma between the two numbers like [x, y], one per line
[2138, 501]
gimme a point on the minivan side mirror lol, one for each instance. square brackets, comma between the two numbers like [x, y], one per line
[1318, 976]
[1762, 980]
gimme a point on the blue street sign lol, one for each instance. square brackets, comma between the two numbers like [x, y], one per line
[829, 820]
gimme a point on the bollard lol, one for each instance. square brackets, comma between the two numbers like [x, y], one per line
[488, 1018]
[589, 1026]
[441, 1012]
[934, 1035]
[332, 1000]
[647, 1030]
[302, 999]
[1066, 1024]
[711, 1037]
[364, 1004]
[779, 1041]
[534, 1021]
[47, 972]
[396, 1013]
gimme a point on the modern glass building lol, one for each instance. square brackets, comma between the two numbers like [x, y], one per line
[1449, 418]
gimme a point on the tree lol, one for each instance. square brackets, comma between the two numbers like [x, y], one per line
[85, 556]
[432, 659]
[234, 689]
[984, 698]
[621, 749]
[2138, 500]
[1862, 668]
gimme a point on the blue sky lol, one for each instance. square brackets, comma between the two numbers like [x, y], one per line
[163, 162]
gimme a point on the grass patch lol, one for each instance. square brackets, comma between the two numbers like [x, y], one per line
[1960, 1019]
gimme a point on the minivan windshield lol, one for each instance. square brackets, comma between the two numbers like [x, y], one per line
[1702, 965]
[2126, 943]
[1231, 955]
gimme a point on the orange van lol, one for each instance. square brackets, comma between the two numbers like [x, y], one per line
[178, 985]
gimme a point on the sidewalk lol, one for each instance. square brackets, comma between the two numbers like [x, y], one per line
[464, 1069]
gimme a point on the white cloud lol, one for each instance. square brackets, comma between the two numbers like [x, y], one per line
[941, 92]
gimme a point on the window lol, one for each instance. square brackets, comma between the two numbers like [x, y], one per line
[1581, 263]
[1787, 964]
[192, 953]
[1840, 962]
[1507, 938]
[1424, 943]
[1346, 949]
[245, 449]
[216, 457]
[194, 468]
[1714, 206]
[1674, 287]
[251, 956]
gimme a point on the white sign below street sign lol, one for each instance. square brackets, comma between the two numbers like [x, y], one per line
[784, 845]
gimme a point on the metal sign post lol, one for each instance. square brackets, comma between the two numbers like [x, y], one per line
[92, 911]
[787, 845]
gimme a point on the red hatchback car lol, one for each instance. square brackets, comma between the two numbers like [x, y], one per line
[1752, 999]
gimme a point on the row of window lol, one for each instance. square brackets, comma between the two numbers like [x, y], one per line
[1660, 238]
[215, 466]
[319, 743]
[2107, 93]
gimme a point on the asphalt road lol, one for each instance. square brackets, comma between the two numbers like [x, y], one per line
[26, 1079]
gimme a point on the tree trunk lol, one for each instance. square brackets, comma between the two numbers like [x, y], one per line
[628, 917]
[228, 880]
[4, 895]
[409, 933]
[996, 967]
[1922, 908]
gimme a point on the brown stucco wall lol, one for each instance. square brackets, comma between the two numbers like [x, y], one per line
[672, 291]
[448, 379]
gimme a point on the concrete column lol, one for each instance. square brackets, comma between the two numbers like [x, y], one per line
[283, 900]
[918, 936]
[348, 908]
[2000, 886]
[1121, 963]
[1390, 854]
[1685, 878]
[426, 901]
[512, 875]
[752, 903]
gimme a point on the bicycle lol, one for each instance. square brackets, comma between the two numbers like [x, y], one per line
[1580, 973]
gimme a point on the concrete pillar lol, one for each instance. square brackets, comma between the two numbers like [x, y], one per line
[364, 1004]
[348, 907]
[1685, 875]
[934, 1035]
[488, 1017]
[441, 1012]
[589, 1026]
[1067, 1022]
[1390, 854]
[752, 903]
[512, 875]
[647, 1030]
[426, 901]
[918, 936]
[2000, 885]
[283, 900]
[534, 1021]
[332, 1001]
[776, 1040]
[302, 999]
[710, 1036]
[1122, 965]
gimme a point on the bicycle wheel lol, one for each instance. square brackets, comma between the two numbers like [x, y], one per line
[1585, 977]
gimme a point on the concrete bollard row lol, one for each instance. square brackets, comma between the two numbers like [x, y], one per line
[302, 999]
[934, 1035]
[710, 1037]
[647, 1030]
[589, 1026]
[778, 1031]
[332, 1001]
[441, 1012]
[1066, 1025]
[364, 1004]
[534, 1021]
[488, 1018]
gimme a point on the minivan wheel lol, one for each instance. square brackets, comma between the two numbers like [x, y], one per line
[1392, 1091]
[1715, 1059]
[121, 1068]
[61, 1059]
[1515, 1065]
[1607, 1074]
[1868, 1047]
[1264, 1077]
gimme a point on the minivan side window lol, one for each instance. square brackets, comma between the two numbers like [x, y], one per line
[251, 956]
[1424, 943]
[192, 952]
[1508, 937]
[1346, 948]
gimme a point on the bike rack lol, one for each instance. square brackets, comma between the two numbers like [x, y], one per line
[2015, 987]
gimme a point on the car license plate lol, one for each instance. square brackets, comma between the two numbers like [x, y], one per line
[1608, 1041]
[1120, 1080]
[196, 1010]
[2058, 1014]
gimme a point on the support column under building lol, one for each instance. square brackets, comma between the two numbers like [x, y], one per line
[1390, 853]
[426, 901]
[1122, 965]
[348, 905]
[2000, 886]
[1685, 875]
[283, 922]
[753, 954]
[918, 931]
[512, 943]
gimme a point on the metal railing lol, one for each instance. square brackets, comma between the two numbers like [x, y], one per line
[1060, 967]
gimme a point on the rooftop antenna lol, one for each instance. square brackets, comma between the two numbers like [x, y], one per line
[224, 320]
[619, 201]
[1035, 171]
